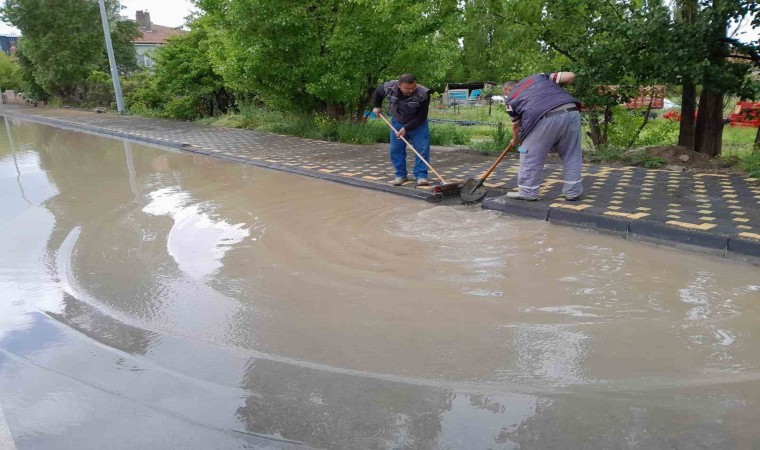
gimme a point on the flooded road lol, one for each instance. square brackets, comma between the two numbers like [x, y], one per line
[152, 299]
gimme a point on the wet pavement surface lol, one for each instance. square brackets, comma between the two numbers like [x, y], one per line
[159, 299]
[717, 213]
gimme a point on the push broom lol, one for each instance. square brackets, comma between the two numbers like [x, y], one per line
[445, 189]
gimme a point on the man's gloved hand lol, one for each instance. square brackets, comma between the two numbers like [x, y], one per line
[401, 133]
[377, 111]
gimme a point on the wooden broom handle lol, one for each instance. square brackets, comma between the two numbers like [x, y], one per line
[498, 160]
[382, 116]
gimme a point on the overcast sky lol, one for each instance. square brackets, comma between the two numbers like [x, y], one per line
[172, 13]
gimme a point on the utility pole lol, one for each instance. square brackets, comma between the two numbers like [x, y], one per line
[111, 58]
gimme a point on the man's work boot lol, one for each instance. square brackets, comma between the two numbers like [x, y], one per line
[519, 196]
[398, 181]
[422, 182]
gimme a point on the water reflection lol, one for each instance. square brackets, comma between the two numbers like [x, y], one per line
[197, 241]
[342, 318]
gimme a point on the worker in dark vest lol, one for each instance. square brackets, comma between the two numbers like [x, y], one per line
[545, 115]
[409, 104]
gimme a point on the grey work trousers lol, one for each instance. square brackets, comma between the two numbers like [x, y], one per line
[564, 131]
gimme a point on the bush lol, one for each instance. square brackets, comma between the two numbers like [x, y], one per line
[10, 74]
[500, 138]
[624, 127]
[369, 133]
[448, 135]
[604, 154]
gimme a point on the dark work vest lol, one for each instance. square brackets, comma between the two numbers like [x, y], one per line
[533, 97]
[403, 108]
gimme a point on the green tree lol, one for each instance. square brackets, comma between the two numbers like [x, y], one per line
[634, 43]
[328, 55]
[62, 41]
[184, 84]
[10, 76]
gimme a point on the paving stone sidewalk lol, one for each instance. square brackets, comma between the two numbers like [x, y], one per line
[718, 213]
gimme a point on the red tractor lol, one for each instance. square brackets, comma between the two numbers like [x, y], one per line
[745, 114]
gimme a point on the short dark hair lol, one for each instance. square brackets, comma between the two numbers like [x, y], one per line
[407, 78]
[509, 84]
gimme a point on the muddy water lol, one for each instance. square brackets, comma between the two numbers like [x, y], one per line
[211, 304]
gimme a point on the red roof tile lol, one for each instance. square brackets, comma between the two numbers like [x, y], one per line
[158, 35]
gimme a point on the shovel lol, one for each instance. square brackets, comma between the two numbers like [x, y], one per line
[445, 189]
[473, 190]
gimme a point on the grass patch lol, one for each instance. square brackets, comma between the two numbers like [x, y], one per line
[738, 140]
[750, 162]
[448, 135]
[474, 113]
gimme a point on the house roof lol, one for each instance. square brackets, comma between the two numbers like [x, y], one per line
[158, 35]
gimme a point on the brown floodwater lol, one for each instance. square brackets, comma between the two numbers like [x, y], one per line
[151, 298]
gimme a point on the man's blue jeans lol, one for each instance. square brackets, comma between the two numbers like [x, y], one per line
[420, 139]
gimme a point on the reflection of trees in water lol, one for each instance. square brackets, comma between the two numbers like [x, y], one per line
[654, 421]
[103, 328]
[334, 410]
[103, 185]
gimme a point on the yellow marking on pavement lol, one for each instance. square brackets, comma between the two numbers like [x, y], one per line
[750, 235]
[707, 218]
[367, 177]
[740, 219]
[627, 215]
[693, 226]
[705, 211]
[327, 170]
[350, 174]
[744, 227]
[566, 206]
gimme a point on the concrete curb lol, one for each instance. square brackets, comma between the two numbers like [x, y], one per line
[668, 234]
[660, 233]
[534, 210]
[591, 221]
[642, 230]
[74, 126]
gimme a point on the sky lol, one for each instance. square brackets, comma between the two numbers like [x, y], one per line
[169, 13]
[172, 13]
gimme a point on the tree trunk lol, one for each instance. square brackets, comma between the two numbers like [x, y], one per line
[595, 132]
[688, 108]
[757, 140]
[687, 14]
[709, 131]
